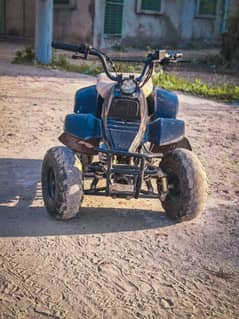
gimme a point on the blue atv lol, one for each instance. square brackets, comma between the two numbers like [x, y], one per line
[123, 140]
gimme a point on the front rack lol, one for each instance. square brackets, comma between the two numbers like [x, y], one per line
[134, 172]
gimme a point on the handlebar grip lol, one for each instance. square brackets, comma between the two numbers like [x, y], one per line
[69, 47]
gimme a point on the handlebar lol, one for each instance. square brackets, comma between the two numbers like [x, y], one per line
[161, 57]
[82, 48]
[85, 50]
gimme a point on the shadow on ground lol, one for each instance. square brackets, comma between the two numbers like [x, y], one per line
[22, 212]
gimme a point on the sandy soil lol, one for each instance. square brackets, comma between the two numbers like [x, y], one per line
[119, 258]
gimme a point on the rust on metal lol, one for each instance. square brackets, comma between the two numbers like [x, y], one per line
[80, 145]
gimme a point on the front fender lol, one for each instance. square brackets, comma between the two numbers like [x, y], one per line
[84, 126]
[163, 131]
[183, 143]
[86, 101]
[165, 104]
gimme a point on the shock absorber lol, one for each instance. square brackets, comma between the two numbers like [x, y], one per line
[102, 159]
[99, 170]
[148, 183]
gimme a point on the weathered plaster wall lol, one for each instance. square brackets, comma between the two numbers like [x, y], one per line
[20, 17]
[70, 23]
[84, 21]
[74, 24]
[177, 24]
[233, 6]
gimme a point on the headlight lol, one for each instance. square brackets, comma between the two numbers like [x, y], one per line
[128, 86]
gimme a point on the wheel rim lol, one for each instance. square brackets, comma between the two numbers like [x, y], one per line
[51, 184]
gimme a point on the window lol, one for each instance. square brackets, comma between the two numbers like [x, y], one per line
[207, 8]
[113, 17]
[149, 6]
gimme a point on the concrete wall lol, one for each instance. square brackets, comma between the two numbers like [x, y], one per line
[177, 24]
[71, 23]
[83, 21]
[233, 6]
[75, 23]
[20, 17]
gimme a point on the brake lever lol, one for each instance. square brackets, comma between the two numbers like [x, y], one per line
[165, 61]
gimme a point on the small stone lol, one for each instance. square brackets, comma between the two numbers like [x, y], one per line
[167, 303]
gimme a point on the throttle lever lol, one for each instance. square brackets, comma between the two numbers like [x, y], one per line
[82, 57]
[84, 50]
[77, 56]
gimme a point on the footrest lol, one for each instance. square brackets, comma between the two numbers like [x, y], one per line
[125, 170]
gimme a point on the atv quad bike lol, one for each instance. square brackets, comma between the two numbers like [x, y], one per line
[123, 140]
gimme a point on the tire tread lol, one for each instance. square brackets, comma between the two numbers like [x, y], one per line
[194, 177]
[62, 160]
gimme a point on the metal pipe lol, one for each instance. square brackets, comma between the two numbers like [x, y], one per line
[44, 29]
[24, 17]
[225, 16]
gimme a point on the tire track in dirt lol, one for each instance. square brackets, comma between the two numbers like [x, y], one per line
[23, 287]
[182, 291]
[134, 289]
[149, 268]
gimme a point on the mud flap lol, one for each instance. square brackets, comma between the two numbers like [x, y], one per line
[183, 143]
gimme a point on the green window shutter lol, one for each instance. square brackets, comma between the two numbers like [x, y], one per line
[207, 7]
[2, 16]
[152, 5]
[113, 17]
[61, 1]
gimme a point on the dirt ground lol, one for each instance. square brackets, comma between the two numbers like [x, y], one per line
[118, 259]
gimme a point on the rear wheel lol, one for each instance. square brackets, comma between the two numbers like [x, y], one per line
[62, 182]
[187, 185]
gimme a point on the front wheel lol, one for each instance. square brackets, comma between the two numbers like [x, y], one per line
[187, 185]
[62, 182]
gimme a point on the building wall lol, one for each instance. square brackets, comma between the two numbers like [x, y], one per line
[71, 23]
[74, 23]
[83, 21]
[20, 16]
[233, 6]
[177, 24]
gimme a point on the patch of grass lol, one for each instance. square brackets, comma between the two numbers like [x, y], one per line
[225, 92]
[88, 67]
[26, 55]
